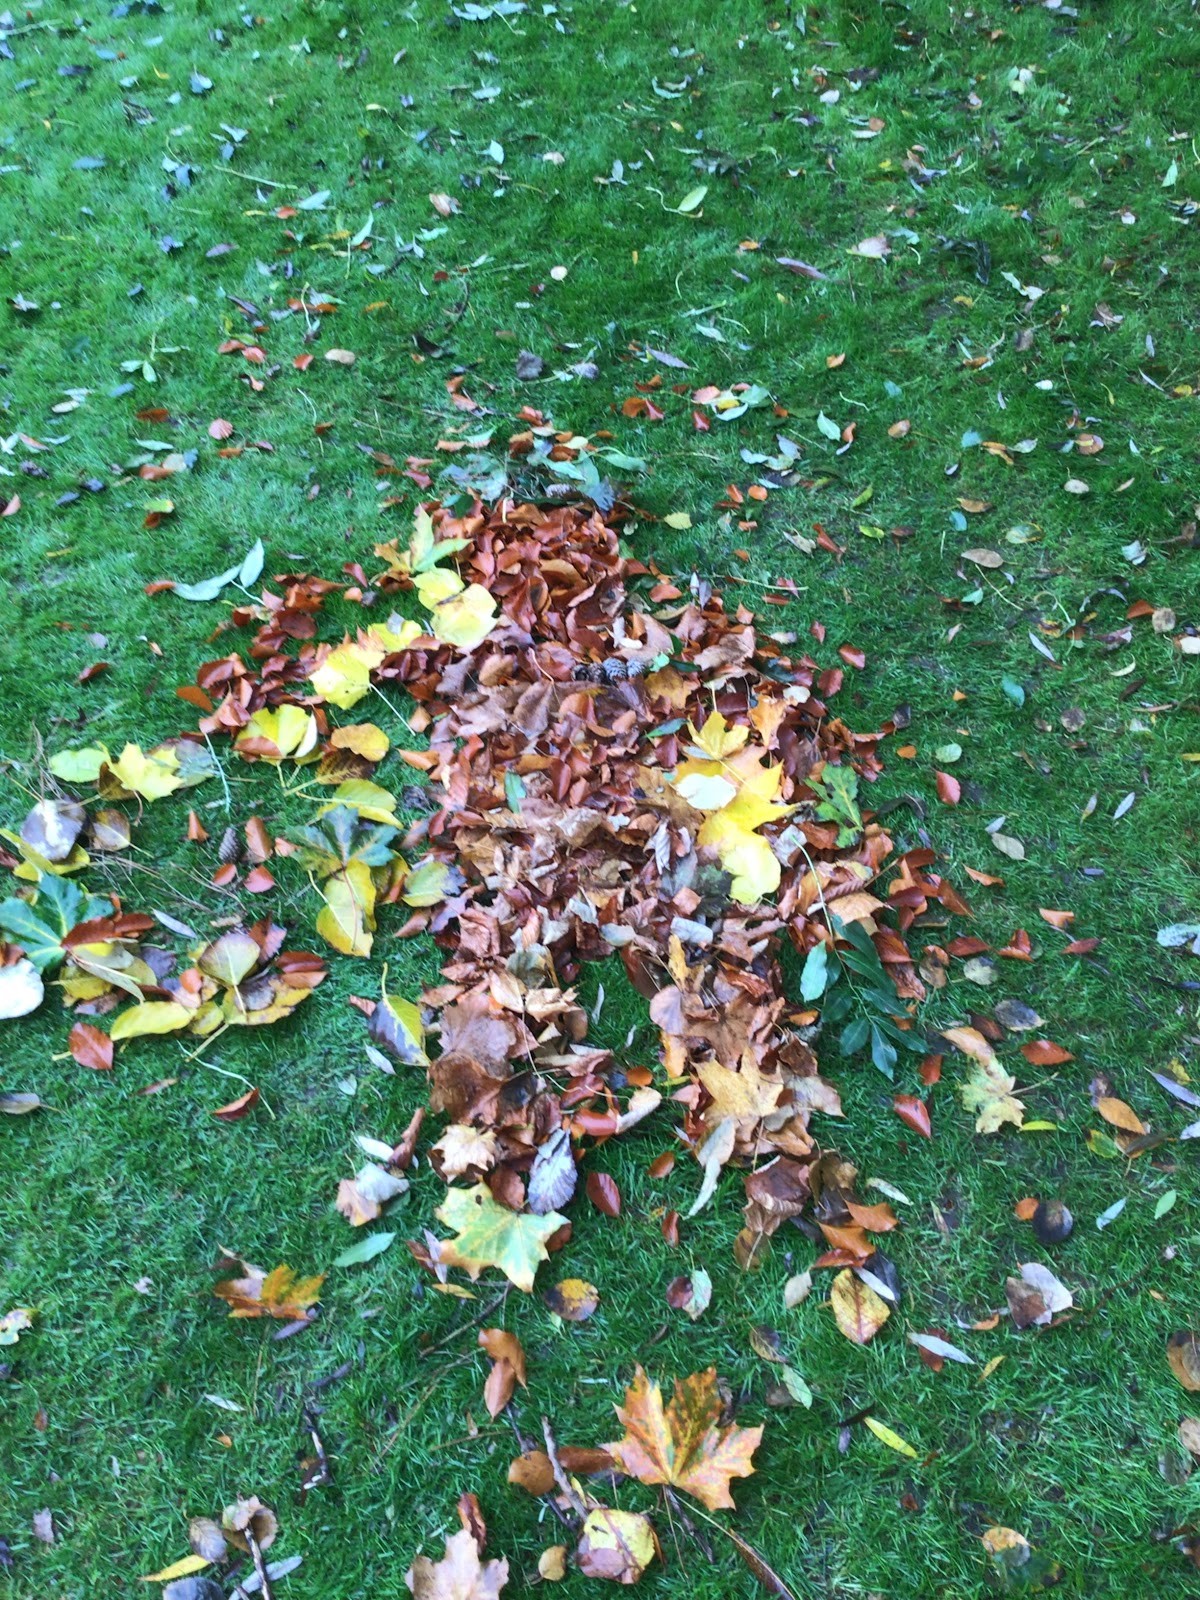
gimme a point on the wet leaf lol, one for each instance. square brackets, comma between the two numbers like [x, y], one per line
[683, 1444]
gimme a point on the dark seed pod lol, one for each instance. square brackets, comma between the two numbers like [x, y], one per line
[614, 669]
[230, 847]
[1052, 1222]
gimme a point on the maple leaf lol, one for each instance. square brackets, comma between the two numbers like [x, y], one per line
[459, 1575]
[744, 1094]
[683, 1444]
[490, 1235]
[278, 1293]
[988, 1091]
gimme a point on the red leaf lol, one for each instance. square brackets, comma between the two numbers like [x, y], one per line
[219, 428]
[1043, 1053]
[662, 1166]
[913, 1113]
[94, 671]
[670, 1228]
[949, 789]
[931, 1070]
[853, 656]
[1081, 947]
[259, 881]
[91, 1047]
[602, 1191]
[237, 1109]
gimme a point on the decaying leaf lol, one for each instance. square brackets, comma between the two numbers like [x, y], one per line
[459, 1575]
[1183, 1357]
[616, 1545]
[1037, 1296]
[278, 1293]
[857, 1309]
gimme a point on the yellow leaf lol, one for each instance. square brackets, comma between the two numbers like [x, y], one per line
[363, 738]
[344, 676]
[345, 919]
[888, 1437]
[717, 739]
[465, 619]
[80, 766]
[178, 1569]
[288, 731]
[988, 1091]
[369, 799]
[436, 585]
[677, 519]
[857, 1309]
[152, 1016]
[152, 776]
[426, 884]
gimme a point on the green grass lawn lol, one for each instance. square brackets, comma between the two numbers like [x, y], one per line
[1035, 176]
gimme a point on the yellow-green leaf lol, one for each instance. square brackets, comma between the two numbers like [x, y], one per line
[490, 1235]
[183, 1568]
[890, 1438]
[343, 920]
[153, 776]
[152, 1016]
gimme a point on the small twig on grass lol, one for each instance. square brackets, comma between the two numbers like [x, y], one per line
[464, 1327]
[560, 1477]
[260, 1567]
[765, 1573]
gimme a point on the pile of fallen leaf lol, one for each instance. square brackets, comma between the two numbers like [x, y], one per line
[613, 765]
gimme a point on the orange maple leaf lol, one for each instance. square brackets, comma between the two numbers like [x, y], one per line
[683, 1444]
[278, 1293]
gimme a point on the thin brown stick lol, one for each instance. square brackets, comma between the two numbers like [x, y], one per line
[560, 1477]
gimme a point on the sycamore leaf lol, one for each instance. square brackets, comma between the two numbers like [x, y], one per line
[465, 619]
[152, 1016]
[857, 1309]
[278, 1293]
[716, 739]
[988, 1091]
[490, 1235]
[459, 1575]
[683, 1444]
[745, 1095]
